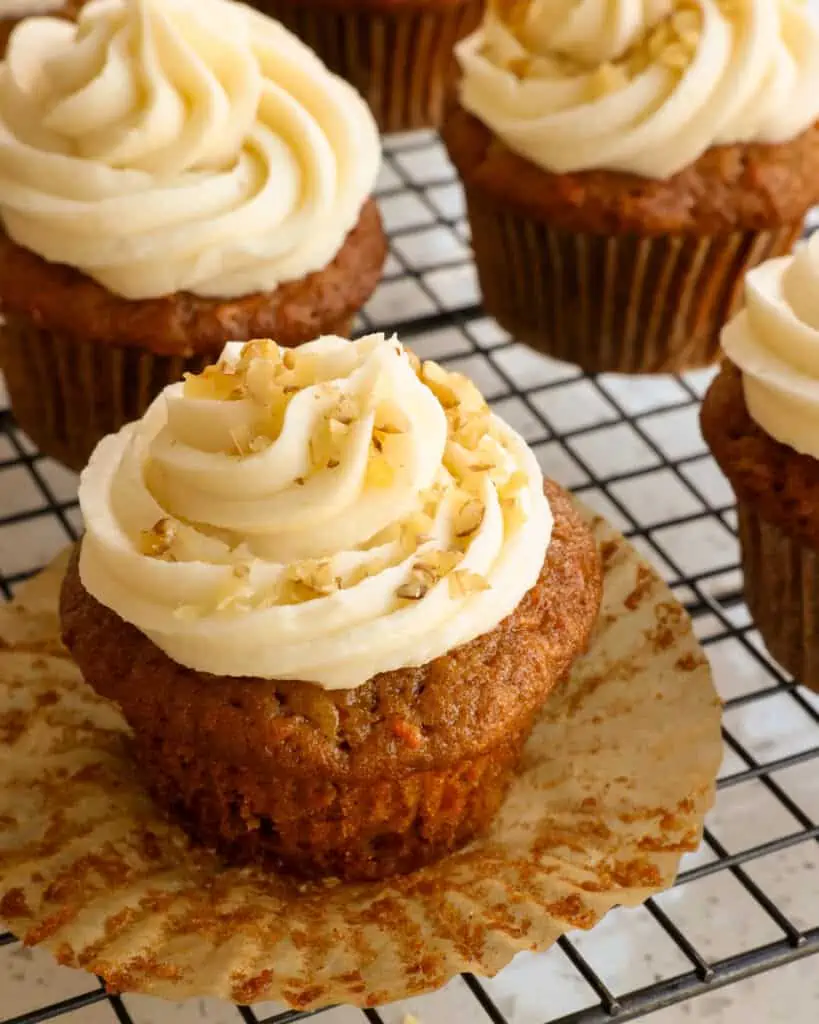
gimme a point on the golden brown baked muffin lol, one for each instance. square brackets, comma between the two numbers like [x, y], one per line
[335, 670]
[129, 255]
[616, 194]
[759, 419]
[397, 53]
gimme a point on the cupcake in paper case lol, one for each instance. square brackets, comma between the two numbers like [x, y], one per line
[760, 418]
[173, 174]
[397, 53]
[625, 163]
[330, 592]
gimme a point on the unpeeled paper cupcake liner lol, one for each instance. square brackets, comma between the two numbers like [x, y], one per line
[615, 781]
[614, 303]
[400, 58]
[782, 593]
[68, 393]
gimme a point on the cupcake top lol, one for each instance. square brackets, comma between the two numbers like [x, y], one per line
[179, 145]
[640, 86]
[324, 514]
[775, 343]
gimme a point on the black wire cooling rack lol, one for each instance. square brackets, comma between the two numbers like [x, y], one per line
[630, 448]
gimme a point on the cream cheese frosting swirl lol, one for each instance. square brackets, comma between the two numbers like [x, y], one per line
[325, 513]
[775, 343]
[179, 145]
[640, 86]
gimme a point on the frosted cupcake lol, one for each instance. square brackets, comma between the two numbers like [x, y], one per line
[625, 163]
[174, 173]
[397, 53]
[761, 420]
[330, 594]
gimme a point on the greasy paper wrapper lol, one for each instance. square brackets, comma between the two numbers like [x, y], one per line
[399, 58]
[782, 593]
[614, 303]
[68, 393]
[615, 781]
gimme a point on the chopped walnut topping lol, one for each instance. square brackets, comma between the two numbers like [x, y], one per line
[158, 541]
[434, 565]
[462, 583]
[440, 384]
[315, 576]
[379, 472]
[215, 383]
[414, 531]
[346, 411]
[469, 517]
[414, 590]
[515, 482]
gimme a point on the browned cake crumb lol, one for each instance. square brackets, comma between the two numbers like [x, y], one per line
[780, 483]
[61, 299]
[359, 783]
[746, 186]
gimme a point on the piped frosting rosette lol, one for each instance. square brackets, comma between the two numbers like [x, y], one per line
[325, 513]
[179, 145]
[642, 86]
[775, 343]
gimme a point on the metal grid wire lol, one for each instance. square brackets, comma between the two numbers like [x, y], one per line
[630, 449]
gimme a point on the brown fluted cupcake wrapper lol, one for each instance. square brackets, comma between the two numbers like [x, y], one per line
[67, 393]
[613, 787]
[400, 60]
[614, 303]
[782, 593]
[313, 828]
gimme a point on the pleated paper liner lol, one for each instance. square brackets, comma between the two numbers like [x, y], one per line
[782, 593]
[400, 58]
[616, 779]
[614, 303]
[68, 393]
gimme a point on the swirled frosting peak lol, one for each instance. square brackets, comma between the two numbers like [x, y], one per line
[179, 145]
[641, 86]
[324, 513]
[775, 343]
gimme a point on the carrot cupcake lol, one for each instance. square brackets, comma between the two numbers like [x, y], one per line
[330, 594]
[173, 174]
[625, 164]
[761, 420]
[397, 53]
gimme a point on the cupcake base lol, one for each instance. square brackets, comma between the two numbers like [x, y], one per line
[620, 273]
[782, 593]
[314, 828]
[614, 303]
[398, 56]
[360, 783]
[67, 393]
[777, 491]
